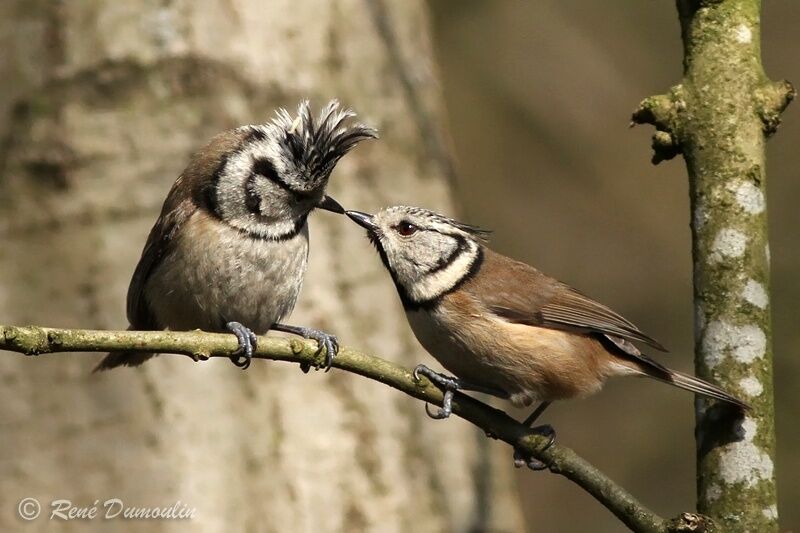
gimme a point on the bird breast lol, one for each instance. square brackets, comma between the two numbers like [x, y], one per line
[215, 274]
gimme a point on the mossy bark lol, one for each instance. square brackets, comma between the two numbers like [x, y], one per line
[719, 117]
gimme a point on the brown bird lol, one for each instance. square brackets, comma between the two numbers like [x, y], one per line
[230, 249]
[501, 326]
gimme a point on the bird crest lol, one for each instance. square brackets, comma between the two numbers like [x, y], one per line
[315, 145]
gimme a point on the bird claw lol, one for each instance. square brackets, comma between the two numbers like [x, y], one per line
[325, 341]
[521, 458]
[247, 344]
[443, 381]
[447, 407]
[447, 383]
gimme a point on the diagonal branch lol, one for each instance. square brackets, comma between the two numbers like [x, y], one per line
[34, 340]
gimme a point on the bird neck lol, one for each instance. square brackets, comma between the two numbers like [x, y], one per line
[275, 230]
[448, 276]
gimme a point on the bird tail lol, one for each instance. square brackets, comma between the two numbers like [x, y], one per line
[115, 359]
[685, 381]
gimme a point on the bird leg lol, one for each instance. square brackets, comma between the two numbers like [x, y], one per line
[450, 385]
[325, 340]
[521, 458]
[247, 344]
[528, 422]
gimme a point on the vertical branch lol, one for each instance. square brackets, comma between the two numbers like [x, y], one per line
[719, 117]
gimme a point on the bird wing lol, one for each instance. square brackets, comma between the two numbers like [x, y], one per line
[177, 209]
[519, 293]
[571, 308]
[191, 191]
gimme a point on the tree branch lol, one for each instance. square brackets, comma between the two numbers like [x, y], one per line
[719, 117]
[34, 340]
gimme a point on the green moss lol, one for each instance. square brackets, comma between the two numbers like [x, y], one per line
[720, 115]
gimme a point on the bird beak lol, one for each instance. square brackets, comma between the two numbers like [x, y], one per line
[329, 204]
[362, 219]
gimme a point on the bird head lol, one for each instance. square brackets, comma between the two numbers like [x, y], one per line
[427, 254]
[279, 171]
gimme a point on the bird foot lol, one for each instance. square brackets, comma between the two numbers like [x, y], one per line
[447, 383]
[247, 344]
[325, 341]
[522, 458]
[330, 342]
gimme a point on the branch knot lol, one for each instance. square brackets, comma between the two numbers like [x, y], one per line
[30, 340]
[691, 523]
[771, 100]
[662, 111]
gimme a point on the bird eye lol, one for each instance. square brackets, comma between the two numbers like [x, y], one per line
[406, 228]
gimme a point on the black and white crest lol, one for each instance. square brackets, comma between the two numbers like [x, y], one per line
[314, 146]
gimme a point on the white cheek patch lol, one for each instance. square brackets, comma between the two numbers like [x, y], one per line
[231, 192]
[431, 286]
[230, 188]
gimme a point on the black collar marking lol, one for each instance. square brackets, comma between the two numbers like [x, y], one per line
[409, 304]
[210, 192]
[261, 166]
[461, 247]
[431, 303]
[258, 236]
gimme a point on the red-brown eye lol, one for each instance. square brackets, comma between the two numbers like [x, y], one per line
[406, 228]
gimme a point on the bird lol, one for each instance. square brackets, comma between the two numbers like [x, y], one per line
[229, 250]
[501, 326]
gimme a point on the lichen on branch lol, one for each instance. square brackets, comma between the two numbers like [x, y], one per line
[719, 117]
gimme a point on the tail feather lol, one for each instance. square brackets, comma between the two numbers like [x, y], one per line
[697, 385]
[685, 381]
[116, 359]
[657, 371]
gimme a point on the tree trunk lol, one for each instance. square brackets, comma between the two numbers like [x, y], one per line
[719, 118]
[109, 101]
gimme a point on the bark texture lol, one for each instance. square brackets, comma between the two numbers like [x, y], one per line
[108, 101]
[719, 117]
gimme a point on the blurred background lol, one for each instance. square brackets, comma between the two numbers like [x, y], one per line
[514, 115]
[539, 96]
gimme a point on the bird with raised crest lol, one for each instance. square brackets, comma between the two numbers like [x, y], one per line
[230, 248]
[501, 326]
